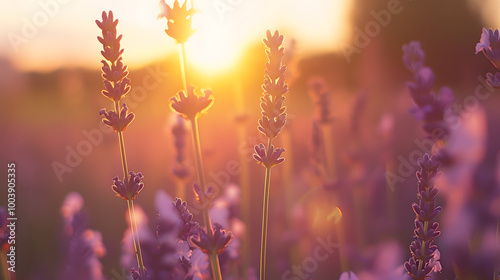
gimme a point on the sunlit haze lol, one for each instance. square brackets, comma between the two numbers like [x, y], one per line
[49, 34]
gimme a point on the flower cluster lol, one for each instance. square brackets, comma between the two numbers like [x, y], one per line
[179, 20]
[268, 158]
[430, 106]
[130, 188]
[215, 245]
[426, 228]
[489, 44]
[192, 104]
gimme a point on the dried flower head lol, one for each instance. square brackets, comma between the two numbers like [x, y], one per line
[203, 198]
[130, 188]
[179, 20]
[215, 245]
[118, 122]
[489, 44]
[192, 104]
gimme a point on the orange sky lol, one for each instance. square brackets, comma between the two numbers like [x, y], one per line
[47, 34]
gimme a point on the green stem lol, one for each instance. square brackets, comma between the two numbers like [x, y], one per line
[265, 216]
[214, 259]
[183, 62]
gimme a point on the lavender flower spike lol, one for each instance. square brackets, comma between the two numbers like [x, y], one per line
[422, 248]
[489, 44]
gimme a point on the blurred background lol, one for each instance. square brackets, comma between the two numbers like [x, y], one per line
[50, 99]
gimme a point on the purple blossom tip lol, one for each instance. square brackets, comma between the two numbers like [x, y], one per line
[203, 197]
[268, 158]
[413, 56]
[179, 20]
[129, 189]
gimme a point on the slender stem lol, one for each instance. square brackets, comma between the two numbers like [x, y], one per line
[265, 216]
[214, 259]
[135, 235]
[183, 63]
[130, 203]
[215, 266]
[180, 189]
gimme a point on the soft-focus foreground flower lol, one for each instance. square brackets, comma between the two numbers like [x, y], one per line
[422, 247]
[192, 104]
[130, 188]
[179, 20]
[413, 56]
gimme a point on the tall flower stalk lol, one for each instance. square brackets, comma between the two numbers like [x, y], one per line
[117, 85]
[190, 103]
[270, 124]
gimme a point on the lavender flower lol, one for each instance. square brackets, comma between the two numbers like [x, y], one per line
[268, 158]
[84, 246]
[489, 44]
[413, 56]
[118, 122]
[422, 247]
[189, 227]
[179, 20]
[203, 198]
[130, 188]
[429, 106]
[215, 245]
[192, 104]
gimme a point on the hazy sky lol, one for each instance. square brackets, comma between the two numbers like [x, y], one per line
[47, 34]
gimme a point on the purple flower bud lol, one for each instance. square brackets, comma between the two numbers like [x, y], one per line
[489, 44]
[179, 20]
[268, 158]
[413, 56]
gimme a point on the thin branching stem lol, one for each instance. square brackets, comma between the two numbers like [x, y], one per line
[265, 216]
